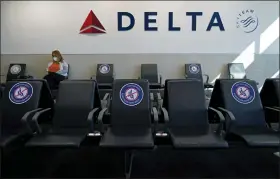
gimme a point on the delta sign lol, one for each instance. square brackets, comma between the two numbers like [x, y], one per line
[245, 20]
[93, 25]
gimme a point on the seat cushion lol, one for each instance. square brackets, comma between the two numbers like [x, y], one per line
[259, 137]
[195, 138]
[59, 138]
[128, 138]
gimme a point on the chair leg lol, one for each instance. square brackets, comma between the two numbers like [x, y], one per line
[128, 163]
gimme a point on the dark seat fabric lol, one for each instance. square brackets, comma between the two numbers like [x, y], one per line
[149, 72]
[12, 127]
[134, 138]
[270, 97]
[193, 71]
[105, 75]
[76, 98]
[16, 71]
[249, 122]
[130, 124]
[188, 117]
[193, 138]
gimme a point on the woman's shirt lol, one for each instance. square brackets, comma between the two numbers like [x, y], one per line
[59, 68]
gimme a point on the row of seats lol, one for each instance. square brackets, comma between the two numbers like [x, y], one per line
[133, 121]
[105, 73]
[29, 115]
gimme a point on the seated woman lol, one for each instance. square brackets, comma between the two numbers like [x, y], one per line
[57, 70]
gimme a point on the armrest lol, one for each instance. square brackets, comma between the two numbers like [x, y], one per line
[272, 108]
[100, 115]
[222, 120]
[160, 79]
[207, 78]
[165, 114]
[159, 99]
[231, 116]
[36, 117]
[155, 114]
[152, 96]
[90, 118]
[106, 96]
[99, 119]
[26, 116]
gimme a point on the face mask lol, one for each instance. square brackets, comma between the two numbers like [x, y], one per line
[55, 58]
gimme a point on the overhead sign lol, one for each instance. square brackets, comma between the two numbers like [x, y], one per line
[138, 27]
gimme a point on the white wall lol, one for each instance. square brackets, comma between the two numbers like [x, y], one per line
[32, 27]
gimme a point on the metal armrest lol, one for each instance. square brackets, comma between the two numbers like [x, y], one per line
[152, 97]
[231, 116]
[160, 79]
[159, 100]
[155, 115]
[90, 118]
[165, 114]
[36, 117]
[106, 96]
[105, 101]
[222, 120]
[100, 118]
[207, 78]
[26, 116]
[272, 108]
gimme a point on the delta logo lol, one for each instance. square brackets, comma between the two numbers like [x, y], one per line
[92, 25]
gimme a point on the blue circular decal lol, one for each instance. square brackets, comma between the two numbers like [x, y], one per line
[194, 68]
[104, 68]
[20, 93]
[131, 94]
[243, 92]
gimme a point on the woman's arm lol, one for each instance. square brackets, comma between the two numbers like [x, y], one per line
[64, 69]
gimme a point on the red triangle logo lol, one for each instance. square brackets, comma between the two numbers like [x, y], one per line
[92, 25]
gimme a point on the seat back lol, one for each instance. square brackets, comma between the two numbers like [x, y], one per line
[105, 73]
[185, 102]
[46, 100]
[270, 93]
[16, 71]
[236, 71]
[20, 97]
[76, 98]
[149, 72]
[193, 70]
[131, 104]
[241, 97]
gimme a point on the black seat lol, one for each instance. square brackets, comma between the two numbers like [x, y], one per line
[130, 118]
[16, 111]
[188, 116]
[77, 103]
[17, 71]
[194, 71]
[270, 97]
[150, 72]
[105, 76]
[240, 101]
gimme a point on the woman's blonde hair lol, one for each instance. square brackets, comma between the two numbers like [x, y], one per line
[57, 54]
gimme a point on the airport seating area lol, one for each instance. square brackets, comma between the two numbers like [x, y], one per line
[104, 127]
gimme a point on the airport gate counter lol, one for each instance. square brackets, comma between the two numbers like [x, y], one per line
[139, 89]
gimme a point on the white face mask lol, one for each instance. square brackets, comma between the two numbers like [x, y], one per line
[55, 58]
